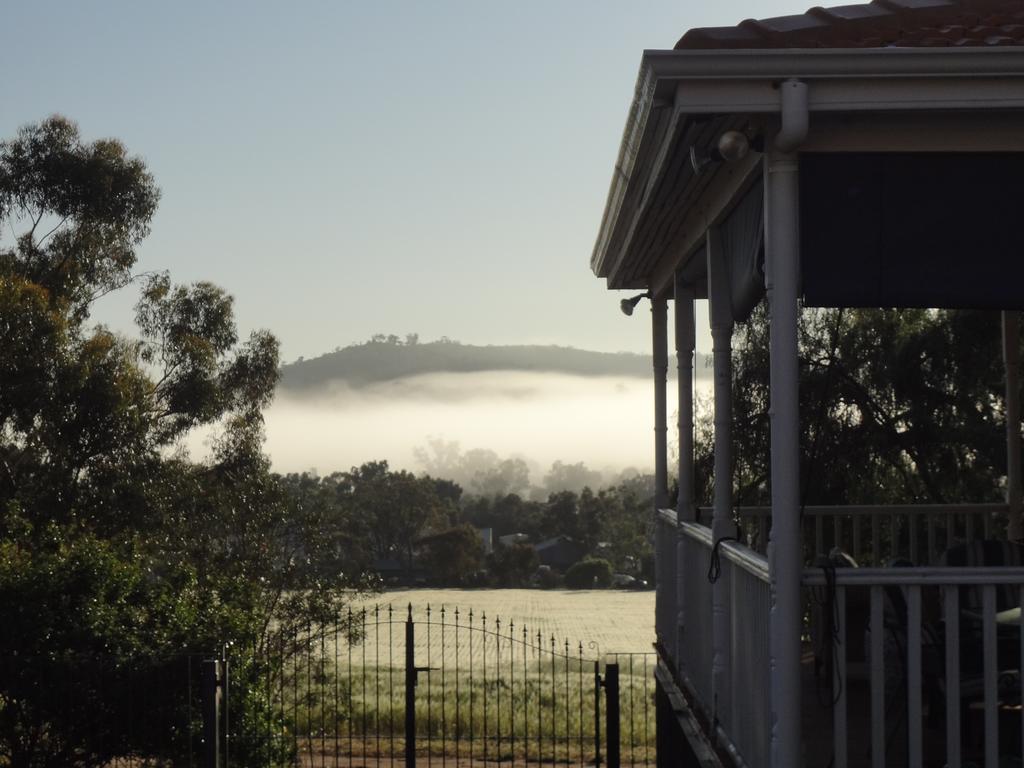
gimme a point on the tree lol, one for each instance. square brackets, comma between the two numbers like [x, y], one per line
[392, 509]
[900, 406]
[451, 557]
[589, 573]
[571, 477]
[512, 566]
[481, 470]
[112, 544]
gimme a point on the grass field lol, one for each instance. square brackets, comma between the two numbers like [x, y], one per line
[613, 620]
[494, 691]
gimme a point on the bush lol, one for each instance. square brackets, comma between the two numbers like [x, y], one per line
[589, 573]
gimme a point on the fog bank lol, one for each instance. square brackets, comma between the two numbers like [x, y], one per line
[605, 422]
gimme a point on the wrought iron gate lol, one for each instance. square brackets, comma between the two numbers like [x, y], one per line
[386, 687]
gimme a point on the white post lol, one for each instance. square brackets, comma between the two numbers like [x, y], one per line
[784, 554]
[665, 585]
[659, 328]
[720, 314]
[686, 508]
[1011, 360]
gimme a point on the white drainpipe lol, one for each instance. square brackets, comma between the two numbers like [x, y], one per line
[782, 273]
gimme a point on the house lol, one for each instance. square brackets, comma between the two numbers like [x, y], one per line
[859, 156]
[560, 552]
[511, 539]
[486, 539]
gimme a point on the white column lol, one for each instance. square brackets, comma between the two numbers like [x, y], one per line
[665, 583]
[686, 511]
[784, 554]
[1011, 359]
[720, 314]
[659, 333]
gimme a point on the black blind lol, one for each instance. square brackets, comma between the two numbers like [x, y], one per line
[912, 230]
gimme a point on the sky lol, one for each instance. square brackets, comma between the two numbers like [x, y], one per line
[345, 168]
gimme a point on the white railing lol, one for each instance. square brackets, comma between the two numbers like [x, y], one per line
[746, 717]
[695, 648]
[665, 608]
[741, 714]
[944, 652]
[875, 534]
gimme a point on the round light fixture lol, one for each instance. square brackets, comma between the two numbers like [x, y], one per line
[733, 146]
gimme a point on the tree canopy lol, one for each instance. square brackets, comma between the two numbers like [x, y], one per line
[898, 406]
[112, 541]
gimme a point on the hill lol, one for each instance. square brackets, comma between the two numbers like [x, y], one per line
[386, 359]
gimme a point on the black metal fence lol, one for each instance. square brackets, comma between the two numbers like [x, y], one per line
[386, 687]
[101, 710]
[379, 687]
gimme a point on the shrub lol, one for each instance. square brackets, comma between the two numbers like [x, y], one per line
[589, 573]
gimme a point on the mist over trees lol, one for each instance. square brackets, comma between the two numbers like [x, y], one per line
[483, 472]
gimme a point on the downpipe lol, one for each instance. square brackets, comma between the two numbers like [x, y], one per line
[782, 274]
[795, 116]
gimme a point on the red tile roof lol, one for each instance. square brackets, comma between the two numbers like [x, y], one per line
[878, 24]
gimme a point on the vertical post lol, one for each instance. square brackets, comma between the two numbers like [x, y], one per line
[410, 691]
[1011, 360]
[212, 693]
[664, 580]
[659, 334]
[597, 714]
[686, 342]
[720, 314]
[784, 555]
[612, 723]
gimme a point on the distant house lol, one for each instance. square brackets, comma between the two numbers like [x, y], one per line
[486, 539]
[511, 539]
[560, 553]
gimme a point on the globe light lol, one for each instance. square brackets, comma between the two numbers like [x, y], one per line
[733, 146]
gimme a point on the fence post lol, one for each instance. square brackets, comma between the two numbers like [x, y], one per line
[597, 714]
[212, 701]
[611, 713]
[410, 692]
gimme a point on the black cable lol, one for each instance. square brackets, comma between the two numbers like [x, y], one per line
[715, 562]
[827, 600]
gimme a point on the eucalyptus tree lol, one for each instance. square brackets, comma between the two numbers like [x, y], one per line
[897, 406]
[112, 542]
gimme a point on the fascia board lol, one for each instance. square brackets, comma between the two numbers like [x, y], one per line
[862, 95]
[812, 63]
[632, 136]
[650, 182]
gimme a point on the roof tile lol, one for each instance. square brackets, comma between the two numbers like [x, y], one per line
[881, 23]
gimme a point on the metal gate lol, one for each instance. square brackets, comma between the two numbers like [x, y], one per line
[386, 687]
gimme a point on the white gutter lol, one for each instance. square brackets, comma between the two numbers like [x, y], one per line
[847, 63]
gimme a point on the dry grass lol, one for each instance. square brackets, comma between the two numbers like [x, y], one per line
[604, 621]
[512, 676]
